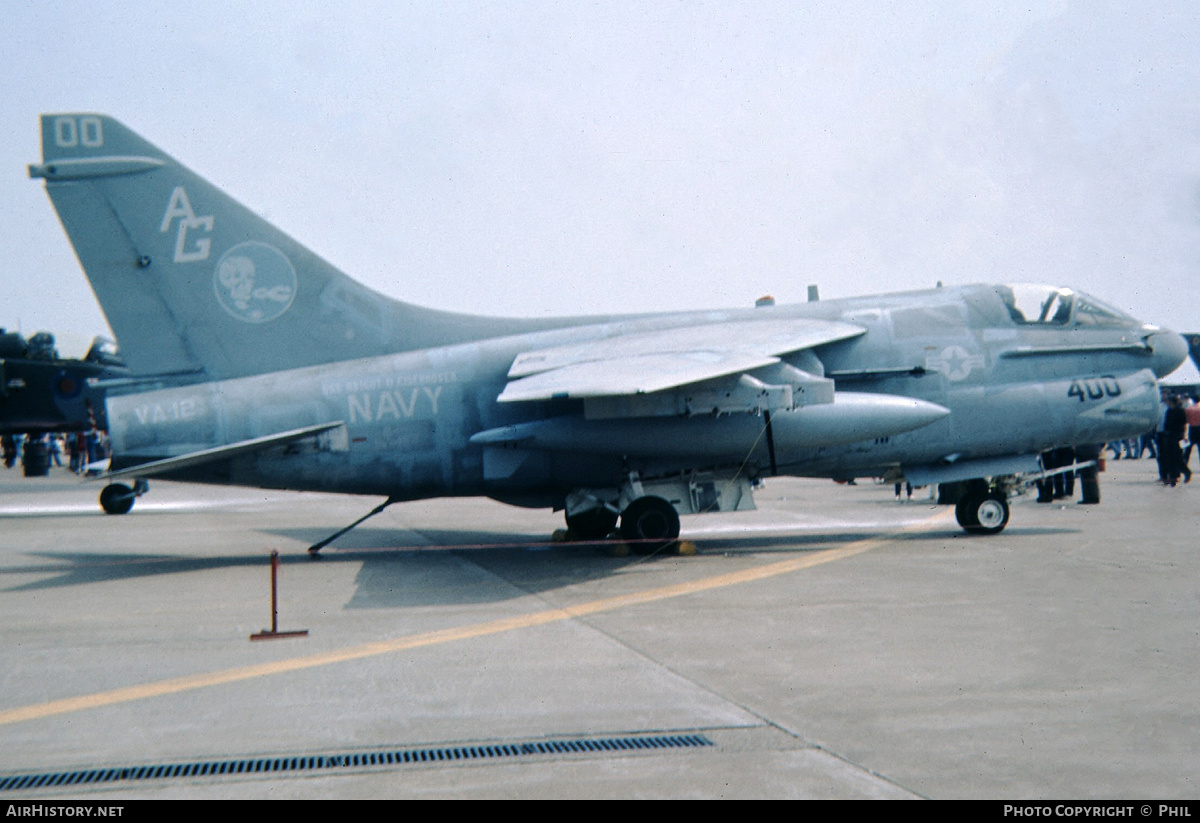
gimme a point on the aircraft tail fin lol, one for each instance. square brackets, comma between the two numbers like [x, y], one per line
[191, 281]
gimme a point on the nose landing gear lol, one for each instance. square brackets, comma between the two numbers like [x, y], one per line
[982, 511]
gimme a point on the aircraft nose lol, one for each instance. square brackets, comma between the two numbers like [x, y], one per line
[1169, 350]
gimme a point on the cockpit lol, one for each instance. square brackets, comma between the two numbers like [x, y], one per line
[1031, 304]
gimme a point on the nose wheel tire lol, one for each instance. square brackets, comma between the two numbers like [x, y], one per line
[649, 524]
[982, 512]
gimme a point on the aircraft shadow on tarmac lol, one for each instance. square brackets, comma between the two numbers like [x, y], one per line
[453, 567]
[387, 578]
[81, 568]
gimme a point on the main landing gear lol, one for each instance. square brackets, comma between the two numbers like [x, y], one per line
[648, 524]
[593, 524]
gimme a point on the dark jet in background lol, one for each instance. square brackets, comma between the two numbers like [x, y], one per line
[41, 392]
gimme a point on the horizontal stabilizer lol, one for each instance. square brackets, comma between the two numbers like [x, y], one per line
[95, 167]
[187, 461]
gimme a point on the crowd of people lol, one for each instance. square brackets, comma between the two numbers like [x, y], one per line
[1172, 441]
[85, 451]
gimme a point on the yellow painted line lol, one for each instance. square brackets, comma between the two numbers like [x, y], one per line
[416, 641]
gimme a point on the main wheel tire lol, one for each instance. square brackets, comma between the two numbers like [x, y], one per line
[983, 513]
[117, 499]
[649, 524]
[593, 524]
[964, 512]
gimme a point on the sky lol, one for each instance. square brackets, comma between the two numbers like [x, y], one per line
[543, 158]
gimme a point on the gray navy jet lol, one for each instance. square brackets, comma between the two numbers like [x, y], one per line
[256, 363]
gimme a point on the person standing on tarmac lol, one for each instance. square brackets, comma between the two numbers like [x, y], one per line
[1174, 430]
[1191, 411]
[1089, 476]
[1160, 437]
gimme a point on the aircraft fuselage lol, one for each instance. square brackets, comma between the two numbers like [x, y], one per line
[270, 367]
[410, 417]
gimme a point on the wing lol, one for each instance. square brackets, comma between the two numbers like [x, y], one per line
[643, 363]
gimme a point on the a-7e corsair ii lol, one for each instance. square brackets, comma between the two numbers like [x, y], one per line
[257, 363]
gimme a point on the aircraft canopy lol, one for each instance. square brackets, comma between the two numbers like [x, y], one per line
[1036, 304]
